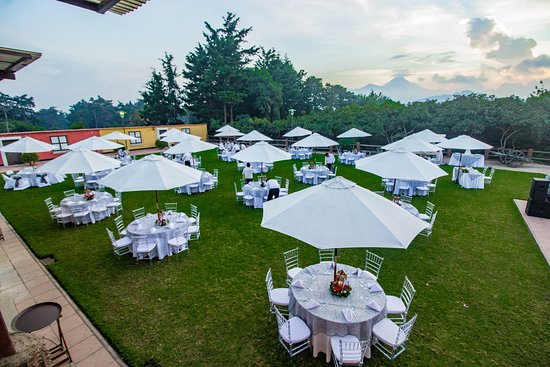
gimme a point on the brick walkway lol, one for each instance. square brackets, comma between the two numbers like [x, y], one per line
[24, 281]
[539, 227]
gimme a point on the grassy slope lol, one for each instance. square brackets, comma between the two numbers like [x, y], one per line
[483, 286]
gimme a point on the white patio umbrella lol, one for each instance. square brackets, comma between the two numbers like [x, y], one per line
[464, 142]
[315, 140]
[177, 136]
[262, 152]
[353, 133]
[429, 136]
[229, 134]
[79, 160]
[27, 145]
[254, 136]
[227, 128]
[95, 143]
[117, 135]
[341, 214]
[297, 132]
[400, 164]
[151, 173]
[190, 145]
[413, 144]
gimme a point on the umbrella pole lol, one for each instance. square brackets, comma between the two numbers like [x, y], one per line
[157, 202]
[335, 262]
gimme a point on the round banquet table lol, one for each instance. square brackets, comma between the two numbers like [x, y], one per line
[160, 234]
[101, 199]
[327, 320]
[316, 172]
[257, 191]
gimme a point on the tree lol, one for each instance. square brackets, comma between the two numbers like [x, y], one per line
[51, 119]
[162, 99]
[17, 108]
[265, 96]
[94, 113]
[214, 71]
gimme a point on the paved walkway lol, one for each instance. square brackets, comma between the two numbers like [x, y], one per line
[24, 281]
[539, 227]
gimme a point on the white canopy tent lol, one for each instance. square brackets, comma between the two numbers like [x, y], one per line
[229, 134]
[465, 142]
[117, 135]
[297, 132]
[353, 133]
[315, 140]
[227, 128]
[254, 136]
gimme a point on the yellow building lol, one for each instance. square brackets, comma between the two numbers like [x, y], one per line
[146, 136]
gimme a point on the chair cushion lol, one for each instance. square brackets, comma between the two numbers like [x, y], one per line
[146, 247]
[293, 272]
[192, 229]
[298, 331]
[279, 296]
[387, 330]
[123, 242]
[395, 305]
[177, 241]
[350, 356]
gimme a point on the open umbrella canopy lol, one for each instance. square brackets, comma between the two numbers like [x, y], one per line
[315, 140]
[117, 135]
[80, 161]
[95, 143]
[227, 128]
[229, 134]
[254, 136]
[27, 145]
[464, 142]
[190, 145]
[297, 132]
[341, 214]
[413, 144]
[262, 152]
[353, 133]
[429, 136]
[151, 173]
[400, 164]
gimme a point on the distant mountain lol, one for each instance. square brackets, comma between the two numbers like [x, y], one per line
[399, 89]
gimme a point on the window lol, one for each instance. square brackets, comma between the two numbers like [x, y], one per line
[60, 142]
[137, 137]
[160, 132]
[186, 130]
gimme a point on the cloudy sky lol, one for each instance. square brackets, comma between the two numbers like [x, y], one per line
[495, 46]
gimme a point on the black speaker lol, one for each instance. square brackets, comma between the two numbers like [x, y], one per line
[540, 209]
[539, 190]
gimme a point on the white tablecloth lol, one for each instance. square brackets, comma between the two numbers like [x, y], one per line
[409, 186]
[315, 172]
[258, 192]
[467, 160]
[161, 234]
[101, 199]
[469, 180]
[226, 155]
[37, 176]
[302, 153]
[350, 157]
[327, 320]
[410, 208]
[204, 184]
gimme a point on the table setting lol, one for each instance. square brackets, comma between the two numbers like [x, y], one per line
[256, 190]
[92, 201]
[469, 177]
[160, 232]
[312, 173]
[346, 302]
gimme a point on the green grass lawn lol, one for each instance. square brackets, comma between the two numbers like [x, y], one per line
[482, 284]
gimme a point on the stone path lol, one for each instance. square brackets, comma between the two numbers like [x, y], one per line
[24, 281]
[539, 227]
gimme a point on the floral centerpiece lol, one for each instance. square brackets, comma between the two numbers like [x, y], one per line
[340, 285]
[161, 221]
[89, 194]
[311, 165]
[397, 199]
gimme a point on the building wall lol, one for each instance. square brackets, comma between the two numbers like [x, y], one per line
[149, 135]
